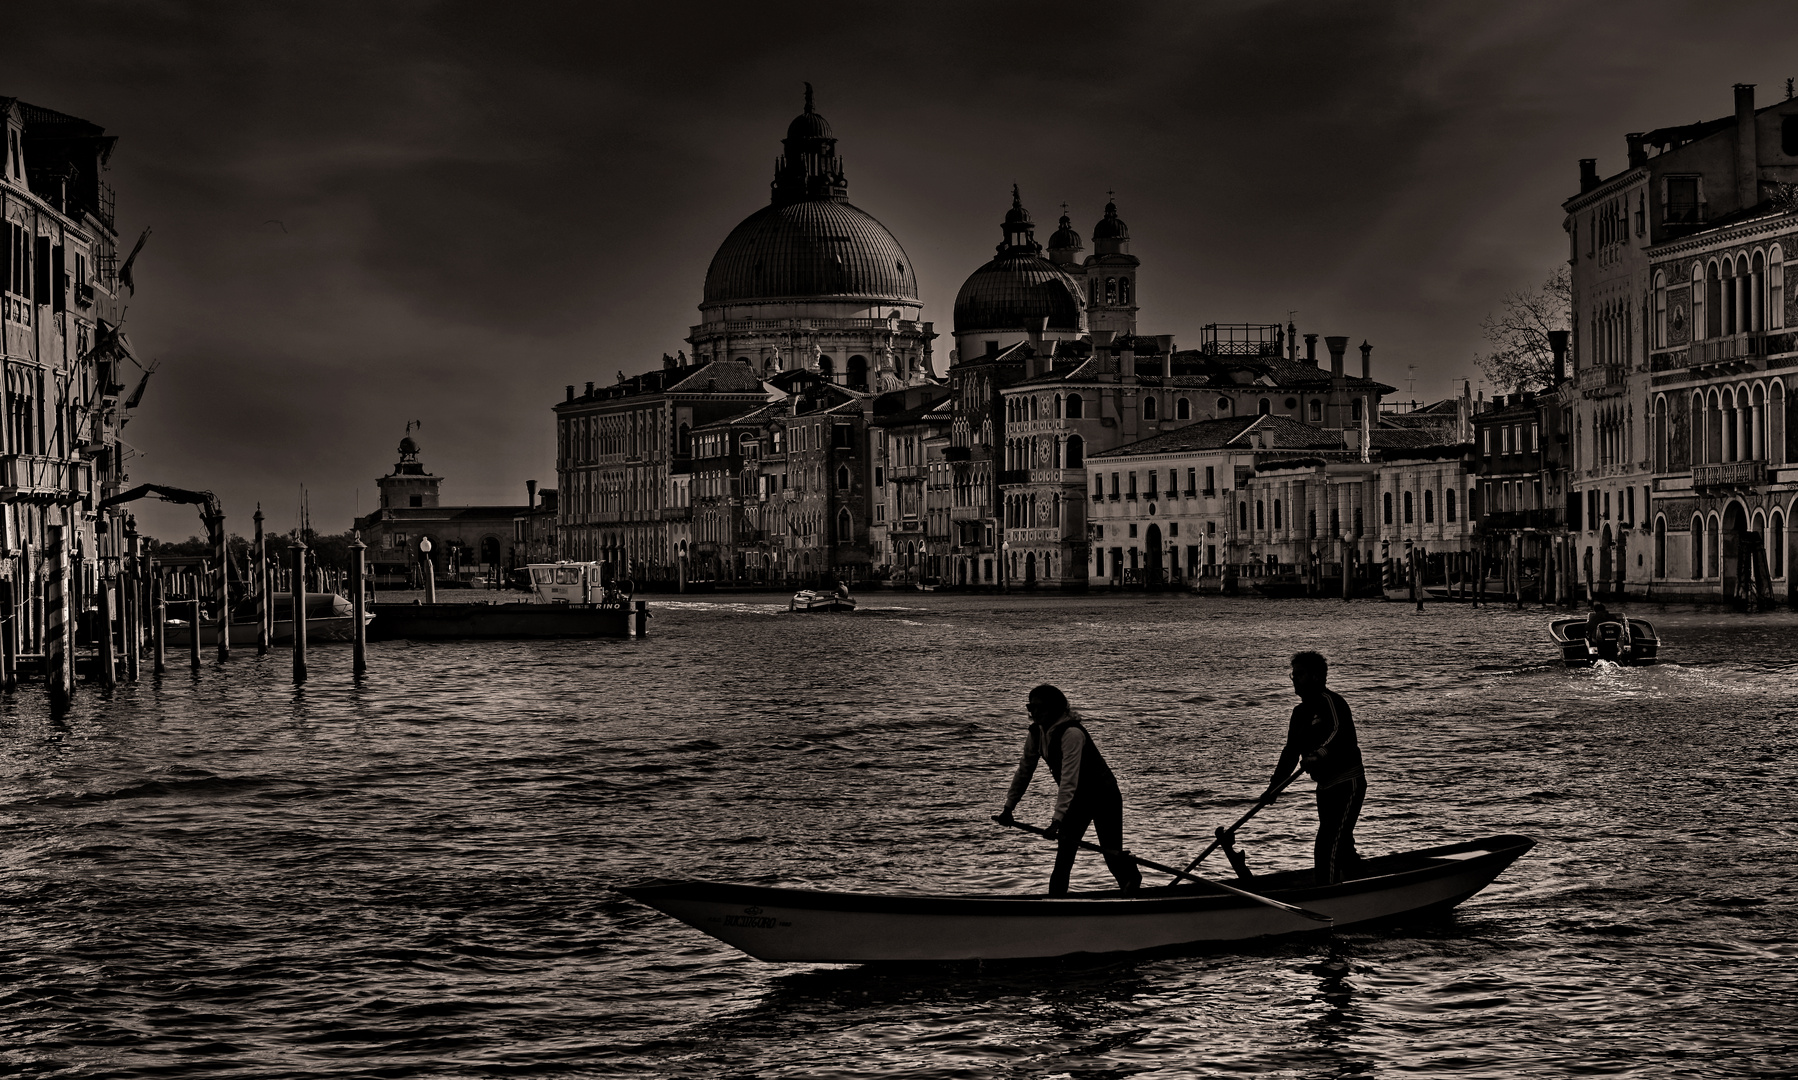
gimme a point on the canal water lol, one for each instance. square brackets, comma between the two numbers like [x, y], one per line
[224, 876]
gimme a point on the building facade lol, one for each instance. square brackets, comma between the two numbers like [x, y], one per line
[1680, 309]
[67, 364]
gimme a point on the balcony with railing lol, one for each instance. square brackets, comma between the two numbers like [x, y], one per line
[1729, 474]
[1603, 377]
[1515, 520]
[34, 477]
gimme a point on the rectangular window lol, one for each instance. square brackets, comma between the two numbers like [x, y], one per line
[880, 476]
[1191, 478]
[1173, 528]
[1682, 198]
[1114, 485]
[1486, 441]
[1535, 437]
[1133, 530]
[1631, 492]
[1154, 479]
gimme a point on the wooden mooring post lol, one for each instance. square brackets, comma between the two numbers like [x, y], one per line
[299, 611]
[159, 625]
[358, 606]
[109, 667]
[59, 660]
[264, 607]
[193, 630]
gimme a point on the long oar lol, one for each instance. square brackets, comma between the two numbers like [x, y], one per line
[1253, 810]
[1140, 861]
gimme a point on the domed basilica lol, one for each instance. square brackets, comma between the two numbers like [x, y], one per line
[812, 282]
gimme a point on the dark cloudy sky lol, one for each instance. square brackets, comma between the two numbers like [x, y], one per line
[371, 213]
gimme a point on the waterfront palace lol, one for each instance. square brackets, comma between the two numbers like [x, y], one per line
[813, 434]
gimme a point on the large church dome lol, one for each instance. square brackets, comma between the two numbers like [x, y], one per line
[1019, 288]
[810, 242]
[814, 248]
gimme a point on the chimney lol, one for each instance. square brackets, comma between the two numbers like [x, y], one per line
[1748, 187]
[530, 494]
[1337, 346]
[1588, 173]
[1638, 154]
[1366, 361]
[1165, 342]
[570, 392]
[1311, 349]
[589, 389]
[1292, 340]
[1557, 342]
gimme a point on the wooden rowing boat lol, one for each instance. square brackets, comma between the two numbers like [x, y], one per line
[811, 926]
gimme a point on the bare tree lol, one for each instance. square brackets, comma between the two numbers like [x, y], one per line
[1520, 356]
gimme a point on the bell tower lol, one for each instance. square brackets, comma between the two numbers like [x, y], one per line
[1111, 276]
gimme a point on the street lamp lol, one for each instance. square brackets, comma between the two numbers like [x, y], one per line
[424, 556]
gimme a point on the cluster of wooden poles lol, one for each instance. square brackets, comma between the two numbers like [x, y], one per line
[134, 605]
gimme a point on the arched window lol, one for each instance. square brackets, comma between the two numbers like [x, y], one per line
[1407, 508]
[1111, 290]
[827, 367]
[845, 527]
[1182, 409]
[1448, 506]
[1148, 407]
[1758, 314]
[1242, 516]
[1713, 550]
[1776, 288]
[1429, 507]
[843, 477]
[1260, 514]
[1776, 544]
[1660, 310]
[1386, 507]
[1058, 412]
[1660, 546]
[1276, 513]
[1093, 295]
[1075, 453]
[1124, 291]
[1697, 301]
[1317, 410]
[1033, 406]
[1075, 407]
[1266, 407]
[858, 373]
[1223, 405]
[1713, 301]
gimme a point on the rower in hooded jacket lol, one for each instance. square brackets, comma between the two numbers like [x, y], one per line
[1087, 791]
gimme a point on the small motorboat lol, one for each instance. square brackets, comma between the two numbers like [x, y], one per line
[821, 600]
[1641, 645]
[810, 926]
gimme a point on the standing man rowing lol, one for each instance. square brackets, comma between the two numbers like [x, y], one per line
[1321, 737]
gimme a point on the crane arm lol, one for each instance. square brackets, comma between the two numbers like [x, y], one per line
[211, 512]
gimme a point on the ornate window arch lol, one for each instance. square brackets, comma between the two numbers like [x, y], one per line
[1776, 288]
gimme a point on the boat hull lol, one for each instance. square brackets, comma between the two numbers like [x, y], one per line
[807, 926]
[497, 622]
[817, 601]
